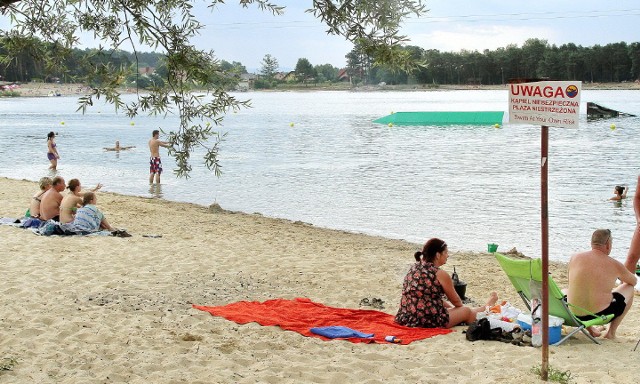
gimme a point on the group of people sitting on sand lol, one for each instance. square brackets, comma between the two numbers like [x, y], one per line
[429, 298]
[75, 211]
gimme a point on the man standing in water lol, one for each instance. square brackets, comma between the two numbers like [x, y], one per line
[155, 165]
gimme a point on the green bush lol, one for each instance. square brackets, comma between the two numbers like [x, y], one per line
[9, 94]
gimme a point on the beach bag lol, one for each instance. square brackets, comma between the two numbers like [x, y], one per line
[481, 330]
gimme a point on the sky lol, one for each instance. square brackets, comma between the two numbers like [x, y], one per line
[247, 35]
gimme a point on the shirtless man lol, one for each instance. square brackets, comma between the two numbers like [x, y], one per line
[50, 200]
[634, 249]
[592, 283]
[155, 165]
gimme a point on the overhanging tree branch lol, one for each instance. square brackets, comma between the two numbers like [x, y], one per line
[169, 25]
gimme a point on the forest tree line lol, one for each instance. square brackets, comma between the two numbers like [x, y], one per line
[615, 62]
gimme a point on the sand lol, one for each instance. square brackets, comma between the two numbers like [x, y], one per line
[45, 89]
[118, 310]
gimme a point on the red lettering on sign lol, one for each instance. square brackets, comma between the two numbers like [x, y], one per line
[528, 90]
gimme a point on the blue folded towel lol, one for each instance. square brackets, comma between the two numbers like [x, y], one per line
[338, 331]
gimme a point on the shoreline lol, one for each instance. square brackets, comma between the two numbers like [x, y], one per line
[107, 309]
[72, 89]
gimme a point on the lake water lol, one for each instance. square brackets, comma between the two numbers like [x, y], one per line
[317, 157]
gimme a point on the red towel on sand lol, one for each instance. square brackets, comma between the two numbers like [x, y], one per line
[301, 314]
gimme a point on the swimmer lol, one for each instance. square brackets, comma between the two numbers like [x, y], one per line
[118, 148]
[620, 193]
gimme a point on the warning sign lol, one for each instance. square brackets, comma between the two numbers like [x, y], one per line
[550, 103]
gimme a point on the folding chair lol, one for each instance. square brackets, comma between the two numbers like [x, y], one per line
[527, 273]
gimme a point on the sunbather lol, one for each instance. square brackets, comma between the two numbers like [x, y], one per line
[73, 200]
[422, 303]
[592, 283]
[88, 218]
[34, 205]
[50, 200]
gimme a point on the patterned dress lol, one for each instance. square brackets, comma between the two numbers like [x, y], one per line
[421, 304]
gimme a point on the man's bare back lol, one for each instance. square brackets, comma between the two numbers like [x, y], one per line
[50, 200]
[592, 276]
[592, 283]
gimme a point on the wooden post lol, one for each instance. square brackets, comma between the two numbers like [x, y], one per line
[544, 213]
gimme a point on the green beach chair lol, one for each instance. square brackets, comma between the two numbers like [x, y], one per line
[524, 273]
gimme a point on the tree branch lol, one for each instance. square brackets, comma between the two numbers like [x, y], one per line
[6, 3]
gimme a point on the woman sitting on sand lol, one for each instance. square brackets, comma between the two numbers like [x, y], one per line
[423, 304]
[72, 200]
[34, 206]
[88, 218]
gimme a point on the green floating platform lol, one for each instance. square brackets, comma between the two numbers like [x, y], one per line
[443, 118]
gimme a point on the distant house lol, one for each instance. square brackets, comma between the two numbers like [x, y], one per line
[342, 75]
[147, 70]
[280, 76]
[246, 82]
[291, 76]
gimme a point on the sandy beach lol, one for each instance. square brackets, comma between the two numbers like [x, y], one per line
[49, 89]
[119, 310]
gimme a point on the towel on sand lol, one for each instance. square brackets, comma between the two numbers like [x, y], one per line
[302, 314]
[339, 332]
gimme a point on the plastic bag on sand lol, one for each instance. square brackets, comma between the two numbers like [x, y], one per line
[510, 312]
[502, 315]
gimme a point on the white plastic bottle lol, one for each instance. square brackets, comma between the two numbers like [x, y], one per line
[392, 339]
[536, 323]
[536, 313]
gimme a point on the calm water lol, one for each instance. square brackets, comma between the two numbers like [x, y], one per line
[335, 168]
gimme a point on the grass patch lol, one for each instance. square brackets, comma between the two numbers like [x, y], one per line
[555, 375]
[9, 94]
